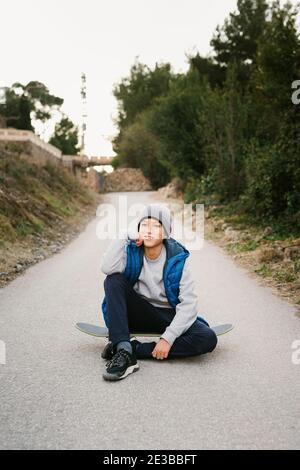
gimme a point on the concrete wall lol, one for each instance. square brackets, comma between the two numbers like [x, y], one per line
[39, 151]
[34, 149]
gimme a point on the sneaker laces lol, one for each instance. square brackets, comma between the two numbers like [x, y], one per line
[117, 358]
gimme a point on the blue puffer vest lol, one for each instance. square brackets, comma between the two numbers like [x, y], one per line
[176, 255]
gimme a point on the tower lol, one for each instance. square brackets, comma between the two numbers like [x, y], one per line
[83, 111]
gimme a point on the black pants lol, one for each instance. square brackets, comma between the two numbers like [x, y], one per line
[128, 312]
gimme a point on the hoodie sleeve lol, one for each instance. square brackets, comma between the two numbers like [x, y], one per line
[115, 256]
[186, 309]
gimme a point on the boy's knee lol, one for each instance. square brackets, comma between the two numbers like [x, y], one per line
[206, 343]
[212, 340]
[113, 278]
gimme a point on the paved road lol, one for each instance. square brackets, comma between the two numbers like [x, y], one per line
[243, 395]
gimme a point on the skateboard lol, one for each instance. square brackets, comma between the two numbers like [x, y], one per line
[102, 331]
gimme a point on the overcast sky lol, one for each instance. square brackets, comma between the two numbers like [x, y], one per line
[54, 41]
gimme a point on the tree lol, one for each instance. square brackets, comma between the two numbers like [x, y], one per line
[139, 148]
[28, 103]
[65, 137]
[137, 92]
[273, 160]
[175, 123]
[136, 145]
[237, 39]
[207, 67]
[278, 65]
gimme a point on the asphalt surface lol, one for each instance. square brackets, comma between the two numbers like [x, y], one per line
[243, 395]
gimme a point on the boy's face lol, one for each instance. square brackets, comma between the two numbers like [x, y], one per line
[152, 232]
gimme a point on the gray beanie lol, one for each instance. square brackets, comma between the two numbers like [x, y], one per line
[159, 212]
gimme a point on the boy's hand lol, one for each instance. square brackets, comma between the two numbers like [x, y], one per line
[161, 349]
[140, 241]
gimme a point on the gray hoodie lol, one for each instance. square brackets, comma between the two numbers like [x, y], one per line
[150, 284]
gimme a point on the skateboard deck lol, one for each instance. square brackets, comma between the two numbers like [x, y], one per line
[102, 331]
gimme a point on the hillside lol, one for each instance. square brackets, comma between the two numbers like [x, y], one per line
[41, 208]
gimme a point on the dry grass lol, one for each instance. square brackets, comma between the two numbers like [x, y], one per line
[41, 209]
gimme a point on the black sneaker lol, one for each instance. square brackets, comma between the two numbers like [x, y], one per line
[122, 364]
[108, 351]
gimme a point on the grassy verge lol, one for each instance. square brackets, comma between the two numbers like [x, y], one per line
[41, 209]
[270, 252]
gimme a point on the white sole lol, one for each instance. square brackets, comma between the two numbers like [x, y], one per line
[129, 370]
